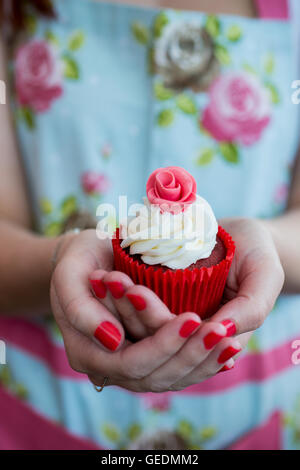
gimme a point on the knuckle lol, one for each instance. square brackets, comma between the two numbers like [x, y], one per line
[156, 388]
[135, 373]
[131, 372]
[72, 313]
[258, 318]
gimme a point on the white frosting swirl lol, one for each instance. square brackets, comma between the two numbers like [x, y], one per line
[172, 240]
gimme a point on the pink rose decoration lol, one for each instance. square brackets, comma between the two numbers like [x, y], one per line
[158, 402]
[239, 108]
[94, 183]
[171, 188]
[38, 75]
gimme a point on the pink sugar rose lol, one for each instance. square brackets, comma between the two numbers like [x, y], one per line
[94, 183]
[171, 188]
[239, 108]
[38, 75]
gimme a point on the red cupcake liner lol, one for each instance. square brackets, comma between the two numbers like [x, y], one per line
[182, 290]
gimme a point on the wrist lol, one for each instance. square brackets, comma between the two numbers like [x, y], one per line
[62, 243]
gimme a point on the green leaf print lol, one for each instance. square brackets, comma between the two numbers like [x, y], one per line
[185, 430]
[161, 20]
[229, 152]
[71, 69]
[248, 68]
[68, 206]
[50, 37]
[76, 40]
[222, 54]
[212, 26]
[53, 229]
[140, 32]
[161, 92]
[111, 432]
[205, 157]
[253, 344]
[21, 391]
[46, 206]
[27, 115]
[186, 104]
[134, 431]
[207, 433]
[269, 63]
[151, 61]
[5, 376]
[234, 33]
[30, 24]
[165, 117]
[274, 94]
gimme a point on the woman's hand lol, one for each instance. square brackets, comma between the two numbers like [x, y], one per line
[256, 276]
[182, 351]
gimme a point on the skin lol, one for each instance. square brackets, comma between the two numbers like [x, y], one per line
[160, 359]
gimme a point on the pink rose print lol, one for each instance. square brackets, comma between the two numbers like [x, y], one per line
[157, 402]
[106, 150]
[38, 75]
[94, 183]
[281, 194]
[239, 108]
[171, 188]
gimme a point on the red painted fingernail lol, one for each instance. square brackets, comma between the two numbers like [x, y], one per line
[230, 327]
[109, 335]
[99, 288]
[227, 354]
[211, 339]
[225, 369]
[137, 301]
[188, 327]
[116, 288]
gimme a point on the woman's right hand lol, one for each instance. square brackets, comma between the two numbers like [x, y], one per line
[181, 352]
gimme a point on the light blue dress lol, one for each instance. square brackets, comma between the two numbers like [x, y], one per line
[104, 95]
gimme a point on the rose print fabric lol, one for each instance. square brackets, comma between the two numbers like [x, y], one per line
[239, 109]
[104, 95]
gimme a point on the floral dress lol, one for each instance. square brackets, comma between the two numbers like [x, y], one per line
[103, 95]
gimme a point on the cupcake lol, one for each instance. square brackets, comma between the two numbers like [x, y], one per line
[174, 246]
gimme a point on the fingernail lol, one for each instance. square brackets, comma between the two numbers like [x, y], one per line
[227, 354]
[230, 327]
[137, 301]
[188, 327]
[99, 288]
[211, 339]
[116, 289]
[108, 335]
[225, 369]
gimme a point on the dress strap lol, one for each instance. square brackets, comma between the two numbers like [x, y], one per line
[272, 9]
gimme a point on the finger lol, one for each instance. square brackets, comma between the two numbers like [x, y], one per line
[141, 309]
[226, 351]
[117, 284]
[255, 299]
[193, 353]
[142, 358]
[82, 309]
[151, 311]
[100, 290]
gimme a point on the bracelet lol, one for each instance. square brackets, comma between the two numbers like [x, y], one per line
[59, 244]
